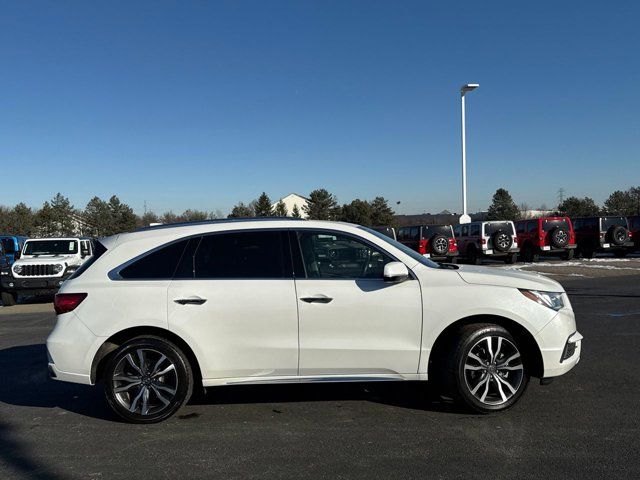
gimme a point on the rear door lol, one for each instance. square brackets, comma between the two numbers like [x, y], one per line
[233, 298]
[351, 321]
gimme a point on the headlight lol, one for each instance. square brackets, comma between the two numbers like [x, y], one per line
[17, 269]
[57, 268]
[553, 300]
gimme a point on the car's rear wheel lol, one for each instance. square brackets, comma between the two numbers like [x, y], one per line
[147, 380]
[485, 369]
[9, 299]
[511, 258]
[568, 255]
[473, 257]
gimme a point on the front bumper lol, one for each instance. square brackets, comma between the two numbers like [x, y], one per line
[33, 284]
[560, 344]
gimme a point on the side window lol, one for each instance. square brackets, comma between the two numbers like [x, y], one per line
[157, 264]
[532, 227]
[401, 233]
[520, 227]
[333, 256]
[475, 230]
[415, 233]
[456, 230]
[251, 254]
[465, 231]
[577, 225]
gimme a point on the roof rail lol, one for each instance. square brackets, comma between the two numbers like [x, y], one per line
[216, 222]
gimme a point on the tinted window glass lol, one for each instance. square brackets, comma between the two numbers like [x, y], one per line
[465, 231]
[431, 230]
[532, 227]
[548, 225]
[257, 254]
[186, 267]
[415, 233]
[608, 222]
[475, 230]
[332, 255]
[159, 264]
[520, 227]
[492, 227]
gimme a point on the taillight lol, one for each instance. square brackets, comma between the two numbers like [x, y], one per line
[422, 247]
[484, 241]
[453, 245]
[66, 302]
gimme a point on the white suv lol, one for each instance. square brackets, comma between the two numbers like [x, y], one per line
[159, 311]
[495, 239]
[43, 265]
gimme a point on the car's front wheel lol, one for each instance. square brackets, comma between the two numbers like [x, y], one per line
[147, 380]
[485, 369]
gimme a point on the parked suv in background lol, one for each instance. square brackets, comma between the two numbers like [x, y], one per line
[634, 228]
[494, 239]
[544, 236]
[433, 241]
[388, 231]
[11, 248]
[161, 311]
[602, 234]
[43, 265]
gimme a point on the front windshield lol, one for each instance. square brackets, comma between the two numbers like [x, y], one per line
[51, 247]
[406, 250]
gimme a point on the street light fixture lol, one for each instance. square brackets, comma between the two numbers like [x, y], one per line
[465, 218]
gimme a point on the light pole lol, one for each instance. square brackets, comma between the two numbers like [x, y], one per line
[465, 218]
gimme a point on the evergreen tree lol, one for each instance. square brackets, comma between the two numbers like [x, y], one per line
[241, 210]
[62, 216]
[122, 218]
[147, 219]
[97, 217]
[280, 210]
[578, 207]
[295, 213]
[169, 217]
[263, 206]
[381, 213]
[44, 221]
[322, 205]
[620, 203]
[20, 221]
[503, 207]
[358, 212]
[194, 216]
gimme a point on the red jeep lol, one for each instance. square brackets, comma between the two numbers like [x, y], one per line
[545, 236]
[434, 241]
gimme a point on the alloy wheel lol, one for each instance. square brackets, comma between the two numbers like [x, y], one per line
[493, 370]
[145, 381]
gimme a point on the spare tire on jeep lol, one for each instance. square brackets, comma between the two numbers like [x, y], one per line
[559, 237]
[617, 235]
[439, 244]
[502, 241]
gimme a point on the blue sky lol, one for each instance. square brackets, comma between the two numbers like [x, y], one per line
[203, 104]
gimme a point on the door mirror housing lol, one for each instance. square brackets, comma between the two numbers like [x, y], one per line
[395, 272]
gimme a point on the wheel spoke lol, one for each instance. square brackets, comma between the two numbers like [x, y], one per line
[129, 358]
[159, 395]
[476, 358]
[501, 380]
[165, 371]
[495, 357]
[164, 388]
[141, 359]
[504, 397]
[134, 404]
[471, 367]
[480, 383]
[515, 367]
[486, 389]
[125, 378]
[490, 349]
[155, 368]
[145, 401]
[512, 357]
[126, 387]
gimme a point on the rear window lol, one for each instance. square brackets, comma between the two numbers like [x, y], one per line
[548, 225]
[608, 222]
[430, 230]
[492, 227]
[98, 251]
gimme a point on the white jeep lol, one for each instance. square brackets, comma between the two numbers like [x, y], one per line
[43, 265]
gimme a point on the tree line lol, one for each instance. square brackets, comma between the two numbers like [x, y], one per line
[620, 203]
[321, 205]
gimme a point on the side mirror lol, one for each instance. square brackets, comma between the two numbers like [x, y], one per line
[395, 272]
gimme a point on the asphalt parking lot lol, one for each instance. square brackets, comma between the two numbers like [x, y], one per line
[584, 425]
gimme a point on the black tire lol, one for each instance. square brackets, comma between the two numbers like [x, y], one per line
[179, 379]
[473, 257]
[459, 381]
[439, 245]
[502, 241]
[568, 255]
[9, 299]
[618, 235]
[559, 237]
[511, 258]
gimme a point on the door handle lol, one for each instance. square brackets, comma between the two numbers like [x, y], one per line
[317, 299]
[190, 301]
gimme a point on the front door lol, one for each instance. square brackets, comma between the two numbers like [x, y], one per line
[233, 298]
[351, 321]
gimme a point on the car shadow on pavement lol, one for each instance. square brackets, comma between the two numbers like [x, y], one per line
[27, 383]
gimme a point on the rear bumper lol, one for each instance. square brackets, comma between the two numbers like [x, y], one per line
[494, 253]
[442, 257]
[550, 249]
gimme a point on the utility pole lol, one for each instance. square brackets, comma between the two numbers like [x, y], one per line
[560, 196]
[464, 218]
